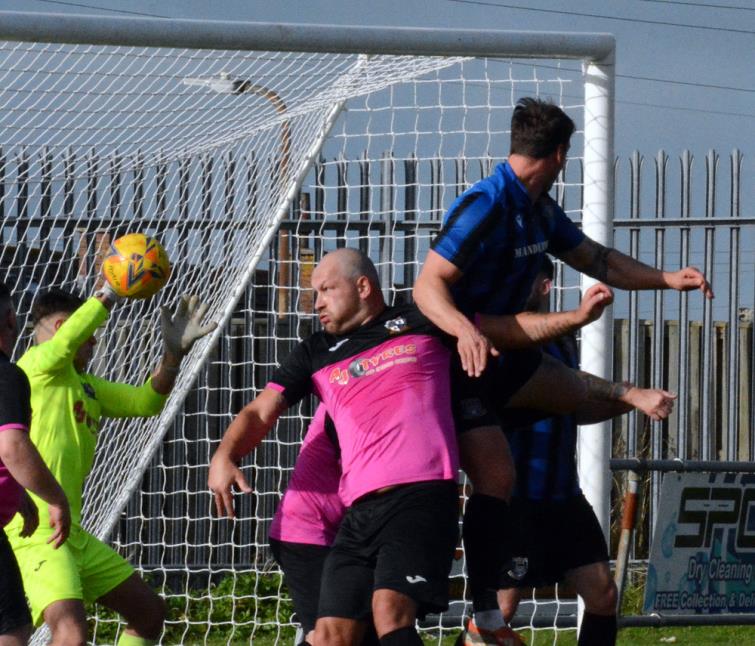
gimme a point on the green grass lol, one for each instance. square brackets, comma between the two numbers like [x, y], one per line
[224, 617]
[693, 636]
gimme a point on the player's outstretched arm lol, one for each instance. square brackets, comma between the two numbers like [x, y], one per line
[243, 435]
[529, 329]
[181, 330]
[606, 399]
[432, 295]
[624, 272]
[26, 466]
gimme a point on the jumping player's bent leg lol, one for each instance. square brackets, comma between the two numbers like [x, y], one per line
[143, 610]
[539, 393]
[597, 588]
[486, 459]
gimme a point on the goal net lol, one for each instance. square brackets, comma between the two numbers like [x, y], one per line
[248, 165]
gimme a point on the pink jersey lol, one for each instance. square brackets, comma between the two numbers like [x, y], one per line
[311, 510]
[15, 414]
[10, 490]
[386, 387]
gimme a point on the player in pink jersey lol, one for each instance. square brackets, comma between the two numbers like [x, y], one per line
[382, 373]
[20, 466]
[307, 519]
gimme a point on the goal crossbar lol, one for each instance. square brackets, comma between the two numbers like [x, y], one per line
[219, 34]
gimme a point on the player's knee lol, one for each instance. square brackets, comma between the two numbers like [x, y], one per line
[392, 611]
[491, 478]
[508, 607]
[603, 599]
[69, 633]
[330, 632]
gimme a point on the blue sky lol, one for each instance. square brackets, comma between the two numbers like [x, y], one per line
[685, 73]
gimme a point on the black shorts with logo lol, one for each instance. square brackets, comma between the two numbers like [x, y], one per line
[302, 571]
[402, 540]
[560, 535]
[14, 613]
[478, 401]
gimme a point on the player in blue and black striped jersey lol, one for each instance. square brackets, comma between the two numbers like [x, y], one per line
[559, 534]
[474, 285]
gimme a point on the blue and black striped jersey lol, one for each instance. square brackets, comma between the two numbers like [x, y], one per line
[497, 237]
[544, 451]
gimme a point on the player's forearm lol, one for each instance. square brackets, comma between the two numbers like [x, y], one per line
[24, 463]
[599, 389]
[75, 330]
[623, 272]
[527, 329]
[164, 376]
[245, 433]
[433, 297]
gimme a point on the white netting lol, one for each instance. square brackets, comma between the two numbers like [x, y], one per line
[223, 156]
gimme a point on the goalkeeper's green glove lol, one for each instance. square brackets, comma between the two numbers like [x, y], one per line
[182, 329]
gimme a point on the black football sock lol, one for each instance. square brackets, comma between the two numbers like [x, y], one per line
[402, 637]
[486, 547]
[597, 630]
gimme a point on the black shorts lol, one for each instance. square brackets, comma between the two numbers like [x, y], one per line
[302, 571]
[560, 535]
[402, 540]
[14, 613]
[478, 401]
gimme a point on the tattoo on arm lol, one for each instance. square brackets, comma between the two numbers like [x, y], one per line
[598, 267]
[602, 390]
[546, 329]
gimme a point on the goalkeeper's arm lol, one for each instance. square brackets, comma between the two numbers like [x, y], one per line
[180, 331]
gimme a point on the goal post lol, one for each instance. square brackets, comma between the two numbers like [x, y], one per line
[250, 149]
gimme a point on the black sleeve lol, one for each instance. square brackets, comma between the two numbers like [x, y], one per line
[15, 394]
[293, 377]
[420, 324]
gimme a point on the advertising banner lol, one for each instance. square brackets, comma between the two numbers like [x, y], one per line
[702, 558]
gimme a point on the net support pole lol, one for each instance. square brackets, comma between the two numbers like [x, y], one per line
[594, 443]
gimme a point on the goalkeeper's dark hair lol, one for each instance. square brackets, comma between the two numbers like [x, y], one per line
[538, 128]
[54, 301]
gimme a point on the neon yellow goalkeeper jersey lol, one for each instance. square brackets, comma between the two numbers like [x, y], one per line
[67, 406]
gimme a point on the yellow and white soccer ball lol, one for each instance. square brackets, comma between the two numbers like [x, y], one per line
[136, 266]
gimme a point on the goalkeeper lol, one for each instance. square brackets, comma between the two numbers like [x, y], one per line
[68, 404]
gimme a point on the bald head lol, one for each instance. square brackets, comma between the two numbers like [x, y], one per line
[352, 263]
[348, 290]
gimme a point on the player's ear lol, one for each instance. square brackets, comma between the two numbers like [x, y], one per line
[364, 287]
[546, 287]
[560, 154]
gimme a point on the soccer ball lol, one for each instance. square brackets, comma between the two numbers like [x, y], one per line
[136, 266]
